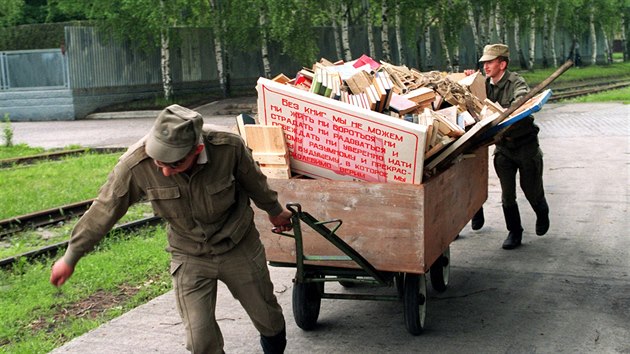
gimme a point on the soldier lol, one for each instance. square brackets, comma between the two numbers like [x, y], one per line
[517, 151]
[201, 182]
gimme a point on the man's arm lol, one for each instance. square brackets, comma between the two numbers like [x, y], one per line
[112, 203]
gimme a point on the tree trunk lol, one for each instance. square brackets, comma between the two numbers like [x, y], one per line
[552, 34]
[370, 29]
[501, 27]
[444, 45]
[264, 49]
[591, 27]
[399, 42]
[545, 33]
[475, 29]
[165, 62]
[428, 53]
[517, 44]
[345, 30]
[335, 26]
[607, 48]
[385, 31]
[624, 38]
[532, 39]
[218, 49]
[456, 67]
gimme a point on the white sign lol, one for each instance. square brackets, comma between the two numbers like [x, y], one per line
[336, 140]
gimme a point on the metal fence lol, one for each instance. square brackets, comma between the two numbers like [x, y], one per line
[33, 69]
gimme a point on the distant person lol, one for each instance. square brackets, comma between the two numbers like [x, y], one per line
[517, 151]
[201, 183]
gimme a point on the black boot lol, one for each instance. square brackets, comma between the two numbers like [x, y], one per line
[542, 217]
[478, 220]
[513, 223]
[274, 344]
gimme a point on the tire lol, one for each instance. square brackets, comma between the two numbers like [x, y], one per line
[440, 271]
[307, 299]
[415, 302]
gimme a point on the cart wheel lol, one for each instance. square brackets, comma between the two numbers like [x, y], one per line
[440, 271]
[415, 302]
[307, 299]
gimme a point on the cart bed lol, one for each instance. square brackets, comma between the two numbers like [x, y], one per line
[397, 227]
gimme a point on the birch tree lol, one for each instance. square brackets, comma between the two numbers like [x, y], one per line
[386, 55]
[345, 31]
[593, 34]
[369, 23]
[399, 41]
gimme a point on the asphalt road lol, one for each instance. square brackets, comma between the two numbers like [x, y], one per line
[565, 292]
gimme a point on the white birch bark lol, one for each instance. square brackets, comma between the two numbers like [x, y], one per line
[552, 34]
[345, 30]
[385, 31]
[218, 48]
[399, 43]
[591, 27]
[532, 39]
[456, 67]
[607, 48]
[447, 55]
[264, 48]
[370, 29]
[428, 53]
[165, 63]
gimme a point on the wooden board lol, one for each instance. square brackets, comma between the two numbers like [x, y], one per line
[397, 227]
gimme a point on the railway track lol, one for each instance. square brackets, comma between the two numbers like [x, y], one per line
[51, 250]
[566, 92]
[55, 155]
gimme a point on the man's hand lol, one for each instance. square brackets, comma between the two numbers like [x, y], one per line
[282, 221]
[469, 72]
[60, 272]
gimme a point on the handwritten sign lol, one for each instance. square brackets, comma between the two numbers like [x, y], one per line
[335, 140]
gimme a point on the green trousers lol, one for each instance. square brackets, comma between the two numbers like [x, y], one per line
[244, 271]
[527, 160]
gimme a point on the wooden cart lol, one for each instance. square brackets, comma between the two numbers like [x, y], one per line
[392, 234]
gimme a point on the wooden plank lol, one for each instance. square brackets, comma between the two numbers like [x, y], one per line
[276, 171]
[265, 139]
[397, 227]
[271, 158]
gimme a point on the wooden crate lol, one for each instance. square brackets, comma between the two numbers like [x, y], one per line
[397, 227]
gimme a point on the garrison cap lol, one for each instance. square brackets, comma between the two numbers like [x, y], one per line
[493, 51]
[175, 132]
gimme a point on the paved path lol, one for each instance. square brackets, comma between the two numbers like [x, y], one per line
[566, 292]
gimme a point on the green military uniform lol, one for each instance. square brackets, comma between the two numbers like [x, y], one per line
[211, 232]
[518, 149]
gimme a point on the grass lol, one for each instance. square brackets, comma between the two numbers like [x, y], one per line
[620, 95]
[576, 74]
[20, 150]
[124, 272]
[45, 185]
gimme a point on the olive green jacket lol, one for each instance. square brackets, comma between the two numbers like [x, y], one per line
[208, 209]
[508, 90]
